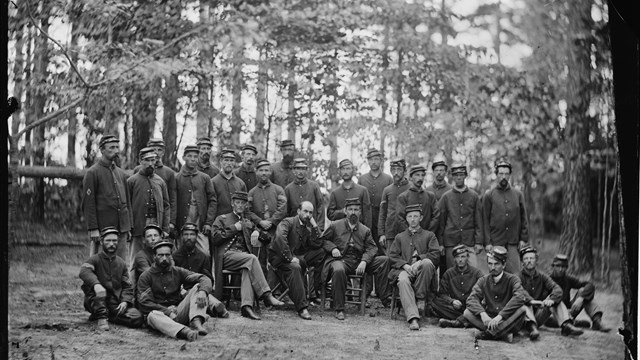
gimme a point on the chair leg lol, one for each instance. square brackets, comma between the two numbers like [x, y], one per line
[363, 294]
[323, 294]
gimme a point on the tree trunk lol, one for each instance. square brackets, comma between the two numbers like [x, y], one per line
[291, 98]
[258, 137]
[19, 70]
[576, 212]
[384, 105]
[169, 126]
[143, 118]
[203, 113]
[236, 102]
[71, 114]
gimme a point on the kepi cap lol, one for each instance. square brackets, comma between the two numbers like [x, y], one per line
[503, 163]
[439, 163]
[146, 153]
[499, 253]
[399, 163]
[249, 147]
[345, 162]
[109, 230]
[161, 244]
[189, 226]
[527, 249]
[262, 163]
[286, 142]
[373, 152]
[458, 169]
[300, 163]
[352, 201]
[240, 195]
[561, 259]
[190, 148]
[152, 226]
[108, 139]
[155, 142]
[415, 168]
[228, 153]
[412, 208]
[204, 141]
[459, 249]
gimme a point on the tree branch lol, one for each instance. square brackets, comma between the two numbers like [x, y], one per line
[64, 51]
[49, 117]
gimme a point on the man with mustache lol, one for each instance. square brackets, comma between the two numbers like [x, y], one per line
[415, 194]
[505, 221]
[232, 242]
[247, 171]
[226, 183]
[297, 246]
[439, 186]
[543, 297]
[304, 189]
[496, 305]
[105, 200]
[460, 219]
[375, 181]
[195, 197]
[282, 171]
[149, 202]
[388, 219]
[351, 249]
[144, 258]
[349, 190]
[108, 294]
[205, 164]
[159, 296]
[266, 207]
[414, 256]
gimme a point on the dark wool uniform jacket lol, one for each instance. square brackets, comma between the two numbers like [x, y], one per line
[375, 186]
[457, 285]
[281, 174]
[430, 212]
[540, 286]
[105, 198]
[142, 262]
[272, 196]
[224, 189]
[293, 239]
[586, 289]
[401, 252]
[337, 236]
[338, 198]
[388, 218]
[501, 298]
[439, 190]
[109, 271]
[200, 184]
[140, 187]
[159, 288]
[305, 190]
[208, 169]
[195, 261]
[247, 176]
[504, 217]
[460, 218]
[223, 233]
[169, 177]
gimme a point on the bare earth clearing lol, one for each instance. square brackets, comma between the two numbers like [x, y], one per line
[47, 321]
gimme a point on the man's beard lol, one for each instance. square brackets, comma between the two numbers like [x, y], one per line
[504, 183]
[287, 159]
[147, 171]
[116, 160]
[164, 264]
[353, 219]
[397, 177]
[418, 183]
[264, 181]
[439, 177]
[205, 158]
[346, 177]
[250, 162]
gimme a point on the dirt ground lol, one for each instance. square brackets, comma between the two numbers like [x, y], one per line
[47, 321]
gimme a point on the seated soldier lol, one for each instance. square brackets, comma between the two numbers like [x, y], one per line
[496, 305]
[144, 258]
[189, 257]
[159, 297]
[583, 298]
[352, 250]
[455, 287]
[414, 255]
[544, 297]
[296, 246]
[108, 294]
[231, 242]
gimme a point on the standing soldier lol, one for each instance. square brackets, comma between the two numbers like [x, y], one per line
[106, 201]
[304, 189]
[460, 219]
[247, 172]
[205, 164]
[415, 194]
[505, 220]
[166, 173]
[282, 171]
[267, 206]
[348, 190]
[195, 199]
[387, 221]
[149, 201]
[225, 184]
[375, 181]
[439, 186]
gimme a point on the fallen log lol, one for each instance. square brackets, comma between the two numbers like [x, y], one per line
[55, 172]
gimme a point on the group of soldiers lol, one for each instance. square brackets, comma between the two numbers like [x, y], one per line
[266, 222]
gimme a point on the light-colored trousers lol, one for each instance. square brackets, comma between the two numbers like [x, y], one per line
[420, 285]
[187, 310]
[253, 280]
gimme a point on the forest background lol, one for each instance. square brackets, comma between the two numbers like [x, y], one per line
[460, 80]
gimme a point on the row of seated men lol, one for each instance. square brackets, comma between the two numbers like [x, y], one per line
[176, 295]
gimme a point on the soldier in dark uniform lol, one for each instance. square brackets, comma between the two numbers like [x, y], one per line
[144, 258]
[105, 200]
[304, 189]
[348, 190]
[149, 201]
[225, 184]
[439, 185]
[282, 171]
[205, 164]
[196, 199]
[247, 171]
[417, 195]
[388, 218]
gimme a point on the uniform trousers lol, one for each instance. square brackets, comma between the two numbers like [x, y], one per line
[135, 245]
[340, 268]
[509, 325]
[512, 265]
[253, 280]
[187, 310]
[450, 260]
[294, 275]
[106, 308]
[540, 314]
[445, 310]
[418, 286]
[122, 249]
